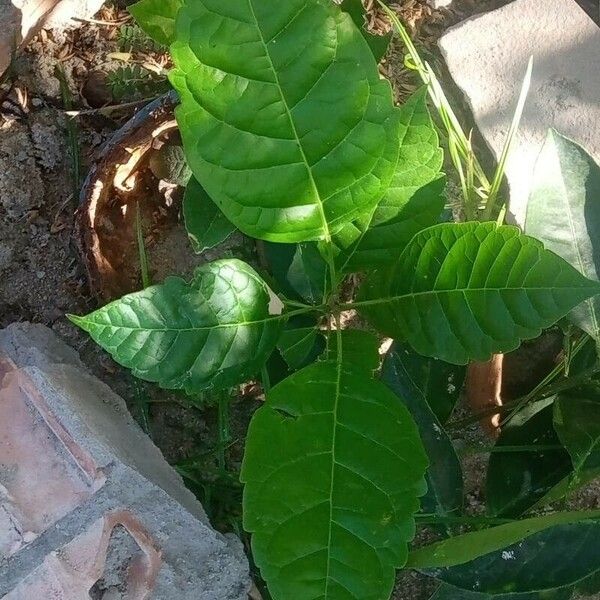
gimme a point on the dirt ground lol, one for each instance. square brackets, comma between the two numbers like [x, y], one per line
[41, 274]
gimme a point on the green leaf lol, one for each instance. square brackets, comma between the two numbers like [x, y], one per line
[333, 470]
[169, 164]
[299, 270]
[444, 475]
[285, 120]
[378, 43]
[448, 592]
[464, 291]
[206, 225]
[577, 423]
[439, 382]
[215, 332]
[413, 202]
[297, 345]
[516, 481]
[557, 556]
[564, 212]
[466, 548]
[157, 18]
[359, 348]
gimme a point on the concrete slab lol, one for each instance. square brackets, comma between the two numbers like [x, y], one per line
[487, 57]
[89, 508]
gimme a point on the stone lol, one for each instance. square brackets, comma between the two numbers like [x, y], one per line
[439, 3]
[487, 58]
[89, 508]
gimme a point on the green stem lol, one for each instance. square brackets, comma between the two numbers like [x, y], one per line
[433, 519]
[266, 380]
[139, 234]
[471, 450]
[223, 426]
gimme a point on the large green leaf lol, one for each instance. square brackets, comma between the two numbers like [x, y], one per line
[213, 332]
[557, 557]
[444, 475]
[517, 480]
[157, 18]
[300, 344]
[577, 422]
[464, 291]
[413, 202]
[206, 225]
[333, 470]
[439, 382]
[360, 348]
[285, 120]
[449, 592]
[564, 212]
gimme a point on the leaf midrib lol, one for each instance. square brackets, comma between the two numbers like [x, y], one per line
[465, 290]
[313, 183]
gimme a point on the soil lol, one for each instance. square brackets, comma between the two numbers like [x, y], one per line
[43, 157]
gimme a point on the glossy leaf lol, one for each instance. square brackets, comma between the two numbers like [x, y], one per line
[465, 548]
[297, 345]
[333, 471]
[448, 592]
[254, 78]
[558, 556]
[157, 18]
[439, 382]
[214, 332]
[299, 270]
[516, 481]
[359, 348]
[444, 475]
[414, 201]
[577, 422]
[378, 43]
[564, 212]
[464, 291]
[206, 225]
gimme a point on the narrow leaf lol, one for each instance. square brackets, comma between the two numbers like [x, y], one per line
[557, 557]
[214, 332]
[564, 212]
[463, 549]
[516, 481]
[464, 291]
[413, 202]
[157, 18]
[444, 475]
[333, 471]
[449, 592]
[206, 225]
[249, 104]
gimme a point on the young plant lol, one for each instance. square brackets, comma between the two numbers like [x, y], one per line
[294, 139]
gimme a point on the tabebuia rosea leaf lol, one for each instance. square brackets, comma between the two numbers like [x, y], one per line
[333, 470]
[157, 18]
[563, 212]
[464, 291]
[214, 332]
[414, 200]
[284, 118]
[539, 554]
[517, 480]
[206, 225]
[449, 592]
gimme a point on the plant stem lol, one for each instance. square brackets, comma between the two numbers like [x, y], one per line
[139, 234]
[470, 450]
[265, 379]
[223, 425]
[433, 519]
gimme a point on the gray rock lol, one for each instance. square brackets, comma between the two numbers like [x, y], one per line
[487, 57]
[116, 517]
